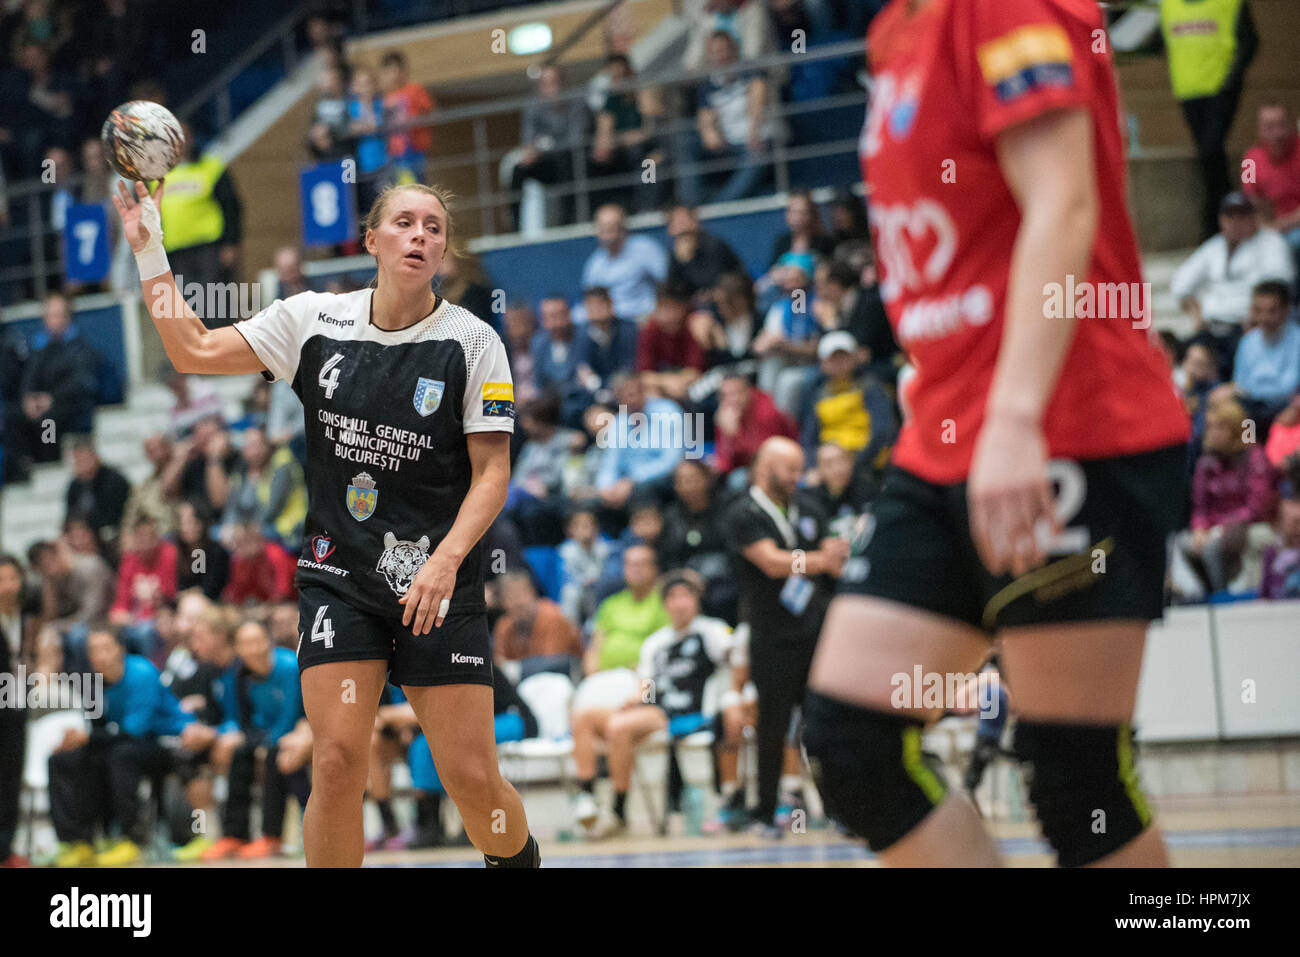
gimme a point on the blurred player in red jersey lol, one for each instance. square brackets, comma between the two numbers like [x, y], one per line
[1010, 272]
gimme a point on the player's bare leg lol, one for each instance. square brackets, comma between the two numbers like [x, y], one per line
[623, 732]
[864, 643]
[458, 724]
[1087, 674]
[341, 699]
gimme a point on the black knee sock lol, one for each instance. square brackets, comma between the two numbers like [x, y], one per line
[530, 856]
[387, 816]
[620, 805]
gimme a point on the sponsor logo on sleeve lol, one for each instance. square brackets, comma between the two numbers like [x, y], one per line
[428, 395]
[499, 399]
[1027, 59]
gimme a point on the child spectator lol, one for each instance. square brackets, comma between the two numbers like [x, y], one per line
[147, 575]
[405, 100]
[1281, 557]
[260, 571]
[582, 555]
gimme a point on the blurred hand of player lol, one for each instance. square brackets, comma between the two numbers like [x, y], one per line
[1010, 496]
[423, 601]
[141, 221]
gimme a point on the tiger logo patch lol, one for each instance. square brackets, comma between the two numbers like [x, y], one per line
[401, 561]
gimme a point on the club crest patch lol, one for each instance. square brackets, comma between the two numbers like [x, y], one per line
[321, 547]
[428, 395]
[362, 496]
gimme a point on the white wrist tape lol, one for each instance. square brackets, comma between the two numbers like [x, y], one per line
[152, 260]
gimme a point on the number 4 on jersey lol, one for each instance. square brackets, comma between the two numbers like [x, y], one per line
[329, 375]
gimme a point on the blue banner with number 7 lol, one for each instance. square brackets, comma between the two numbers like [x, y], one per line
[85, 243]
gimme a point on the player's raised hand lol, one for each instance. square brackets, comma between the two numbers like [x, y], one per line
[428, 598]
[141, 221]
[1009, 496]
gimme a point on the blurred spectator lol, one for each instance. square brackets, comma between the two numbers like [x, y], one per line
[843, 303]
[149, 497]
[844, 490]
[202, 562]
[732, 124]
[262, 703]
[56, 393]
[404, 101]
[533, 627]
[788, 343]
[260, 571]
[697, 258]
[461, 280]
[1274, 162]
[733, 303]
[624, 138]
[1214, 285]
[289, 277]
[147, 576]
[193, 399]
[582, 556]
[98, 492]
[693, 536]
[551, 127]
[1281, 557]
[848, 219]
[95, 776]
[1234, 496]
[1199, 372]
[202, 465]
[746, 418]
[365, 117]
[675, 664]
[606, 344]
[16, 634]
[271, 492]
[670, 355]
[534, 502]
[202, 220]
[1208, 53]
[521, 329]
[76, 589]
[285, 422]
[555, 358]
[46, 105]
[645, 461]
[746, 21]
[630, 267]
[805, 231]
[848, 407]
[1267, 369]
[625, 619]
[326, 138]
[1284, 438]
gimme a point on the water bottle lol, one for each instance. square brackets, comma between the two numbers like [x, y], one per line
[693, 810]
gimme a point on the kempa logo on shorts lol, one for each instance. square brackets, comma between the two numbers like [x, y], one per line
[76, 910]
[458, 659]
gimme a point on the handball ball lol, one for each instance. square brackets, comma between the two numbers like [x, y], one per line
[142, 139]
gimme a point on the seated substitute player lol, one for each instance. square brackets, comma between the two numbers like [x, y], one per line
[966, 542]
[409, 406]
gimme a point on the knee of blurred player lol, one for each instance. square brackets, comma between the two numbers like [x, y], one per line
[869, 768]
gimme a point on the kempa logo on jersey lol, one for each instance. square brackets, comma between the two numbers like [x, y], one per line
[332, 321]
[362, 496]
[458, 659]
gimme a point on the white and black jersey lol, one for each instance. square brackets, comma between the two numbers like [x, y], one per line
[386, 418]
[680, 663]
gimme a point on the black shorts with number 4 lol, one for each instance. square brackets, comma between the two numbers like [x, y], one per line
[1109, 562]
[459, 652]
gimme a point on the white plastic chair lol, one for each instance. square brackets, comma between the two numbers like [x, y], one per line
[43, 735]
[548, 696]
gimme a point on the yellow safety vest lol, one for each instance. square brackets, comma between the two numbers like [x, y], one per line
[190, 214]
[1200, 41]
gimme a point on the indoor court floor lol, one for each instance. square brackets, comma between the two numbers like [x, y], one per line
[1253, 830]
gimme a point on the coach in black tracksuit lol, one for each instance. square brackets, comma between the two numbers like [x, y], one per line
[785, 567]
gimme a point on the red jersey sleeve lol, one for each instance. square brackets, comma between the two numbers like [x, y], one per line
[1024, 58]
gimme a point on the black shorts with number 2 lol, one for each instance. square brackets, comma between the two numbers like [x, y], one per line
[459, 652]
[1109, 563]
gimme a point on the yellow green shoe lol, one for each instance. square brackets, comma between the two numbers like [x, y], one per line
[121, 854]
[80, 854]
[192, 850]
